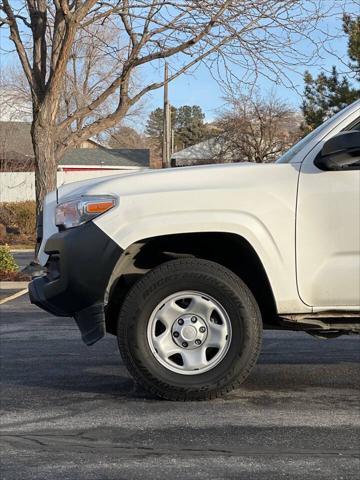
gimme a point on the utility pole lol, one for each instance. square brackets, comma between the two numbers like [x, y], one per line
[166, 147]
[172, 141]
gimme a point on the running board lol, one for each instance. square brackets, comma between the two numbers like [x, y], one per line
[324, 321]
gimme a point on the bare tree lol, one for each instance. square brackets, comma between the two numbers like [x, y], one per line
[126, 137]
[261, 36]
[15, 159]
[15, 96]
[88, 73]
[256, 129]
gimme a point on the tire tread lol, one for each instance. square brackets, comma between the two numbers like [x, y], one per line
[138, 368]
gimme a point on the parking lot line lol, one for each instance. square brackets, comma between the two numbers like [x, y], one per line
[12, 297]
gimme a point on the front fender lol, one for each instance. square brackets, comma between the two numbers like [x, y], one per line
[275, 251]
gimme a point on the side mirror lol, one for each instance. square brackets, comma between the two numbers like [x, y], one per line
[341, 152]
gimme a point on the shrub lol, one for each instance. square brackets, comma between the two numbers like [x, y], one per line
[7, 262]
[20, 215]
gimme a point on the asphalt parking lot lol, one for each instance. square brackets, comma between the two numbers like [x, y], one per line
[23, 257]
[72, 412]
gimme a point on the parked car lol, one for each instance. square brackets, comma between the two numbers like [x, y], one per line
[187, 266]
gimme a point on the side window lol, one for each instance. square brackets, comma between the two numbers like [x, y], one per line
[356, 126]
[353, 126]
[356, 164]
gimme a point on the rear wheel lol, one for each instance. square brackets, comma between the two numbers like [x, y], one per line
[189, 329]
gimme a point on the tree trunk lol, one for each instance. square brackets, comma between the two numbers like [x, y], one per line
[42, 133]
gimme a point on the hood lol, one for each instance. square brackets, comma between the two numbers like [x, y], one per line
[73, 189]
[182, 178]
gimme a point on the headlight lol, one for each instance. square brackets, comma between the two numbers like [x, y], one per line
[76, 212]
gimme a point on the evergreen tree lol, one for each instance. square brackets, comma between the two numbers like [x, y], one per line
[352, 29]
[155, 124]
[187, 122]
[327, 94]
[190, 127]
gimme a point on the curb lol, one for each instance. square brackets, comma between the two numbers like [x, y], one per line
[22, 250]
[13, 285]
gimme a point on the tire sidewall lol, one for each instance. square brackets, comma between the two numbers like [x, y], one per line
[229, 291]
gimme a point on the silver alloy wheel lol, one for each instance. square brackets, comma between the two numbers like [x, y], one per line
[189, 332]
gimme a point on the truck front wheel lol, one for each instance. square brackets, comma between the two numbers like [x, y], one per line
[190, 329]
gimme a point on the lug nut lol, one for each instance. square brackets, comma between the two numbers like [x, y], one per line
[202, 329]
[184, 344]
[193, 319]
[181, 321]
[198, 342]
[176, 334]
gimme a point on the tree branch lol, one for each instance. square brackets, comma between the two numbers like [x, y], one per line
[15, 37]
[38, 20]
[124, 15]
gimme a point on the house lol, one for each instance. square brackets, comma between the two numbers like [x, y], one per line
[17, 154]
[209, 151]
[90, 160]
[263, 142]
[105, 159]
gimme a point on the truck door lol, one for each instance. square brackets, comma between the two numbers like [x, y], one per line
[328, 235]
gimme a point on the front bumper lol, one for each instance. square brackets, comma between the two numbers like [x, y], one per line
[80, 264]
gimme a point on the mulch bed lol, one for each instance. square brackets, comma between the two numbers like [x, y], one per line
[14, 277]
[18, 240]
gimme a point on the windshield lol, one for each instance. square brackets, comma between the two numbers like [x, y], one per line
[289, 155]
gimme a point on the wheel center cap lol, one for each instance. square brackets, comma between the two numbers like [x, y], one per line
[188, 333]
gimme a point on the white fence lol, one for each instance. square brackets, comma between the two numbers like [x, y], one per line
[20, 186]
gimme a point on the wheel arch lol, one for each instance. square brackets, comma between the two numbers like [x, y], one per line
[230, 250]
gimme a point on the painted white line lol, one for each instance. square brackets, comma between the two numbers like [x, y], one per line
[12, 297]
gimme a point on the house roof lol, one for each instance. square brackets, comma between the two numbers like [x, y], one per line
[107, 157]
[16, 147]
[16, 137]
[201, 153]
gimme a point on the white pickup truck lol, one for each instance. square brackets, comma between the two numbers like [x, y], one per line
[188, 265]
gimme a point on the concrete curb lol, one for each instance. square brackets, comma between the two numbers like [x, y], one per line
[13, 285]
[22, 250]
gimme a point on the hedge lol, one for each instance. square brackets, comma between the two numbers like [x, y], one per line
[20, 216]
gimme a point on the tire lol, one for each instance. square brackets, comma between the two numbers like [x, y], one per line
[235, 314]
